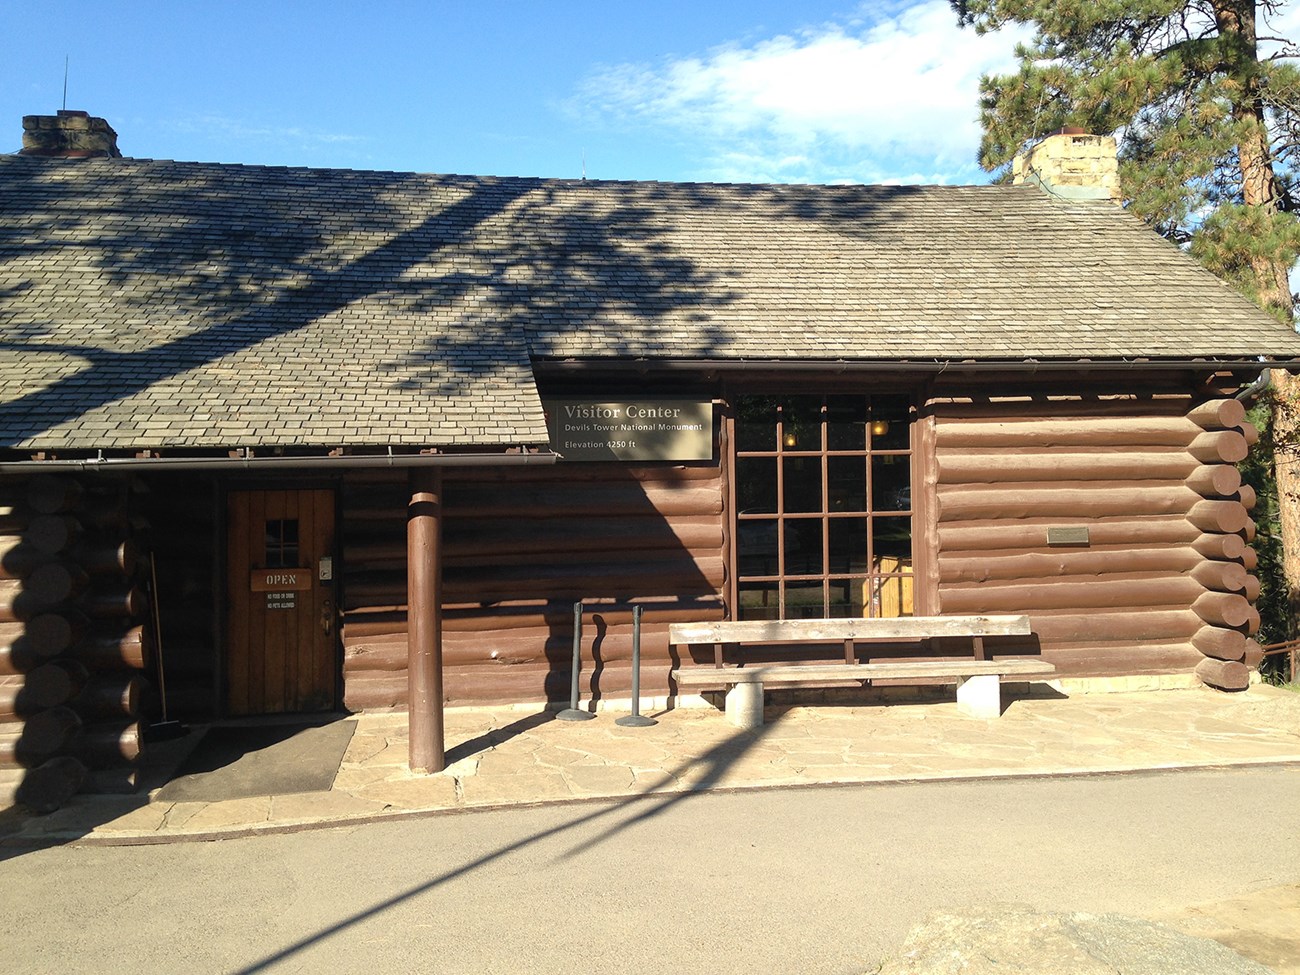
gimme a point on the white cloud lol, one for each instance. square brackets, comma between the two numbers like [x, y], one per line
[870, 100]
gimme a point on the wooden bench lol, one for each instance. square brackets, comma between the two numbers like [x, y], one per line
[979, 691]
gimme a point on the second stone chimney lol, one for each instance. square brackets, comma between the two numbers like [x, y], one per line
[68, 134]
[1073, 165]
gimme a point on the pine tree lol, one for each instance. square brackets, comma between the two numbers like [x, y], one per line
[1209, 131]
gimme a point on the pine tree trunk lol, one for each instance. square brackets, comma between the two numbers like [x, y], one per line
[1259, 188]
[1286, 472]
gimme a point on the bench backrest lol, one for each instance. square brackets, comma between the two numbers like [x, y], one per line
[839, 630]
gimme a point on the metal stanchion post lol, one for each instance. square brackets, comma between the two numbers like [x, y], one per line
[572, 712]
[636, 719]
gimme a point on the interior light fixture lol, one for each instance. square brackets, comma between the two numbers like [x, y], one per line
[879, 428]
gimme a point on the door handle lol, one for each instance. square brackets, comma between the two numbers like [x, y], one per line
[327, 617]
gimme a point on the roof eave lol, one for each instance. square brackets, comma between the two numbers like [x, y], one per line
[919, 365]
[246, 462]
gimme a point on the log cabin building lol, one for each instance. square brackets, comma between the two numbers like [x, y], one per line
[245, 410]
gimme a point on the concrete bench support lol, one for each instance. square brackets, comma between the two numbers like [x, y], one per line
[980, 696]
[744, 704]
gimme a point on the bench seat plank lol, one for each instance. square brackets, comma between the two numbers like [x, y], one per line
[838, 630]
[907, 670]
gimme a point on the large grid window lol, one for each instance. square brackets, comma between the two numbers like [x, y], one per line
[824, 506]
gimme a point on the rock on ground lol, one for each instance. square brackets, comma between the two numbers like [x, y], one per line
[1009, 940]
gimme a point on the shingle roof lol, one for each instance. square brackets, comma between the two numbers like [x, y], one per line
[160, 304]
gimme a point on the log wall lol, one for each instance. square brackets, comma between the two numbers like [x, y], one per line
[1163, 582]
[73, 641]
[520, 547]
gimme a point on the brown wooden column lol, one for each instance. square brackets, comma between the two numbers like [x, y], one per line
[424, 620]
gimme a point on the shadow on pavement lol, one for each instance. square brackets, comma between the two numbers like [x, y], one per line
[713, 764]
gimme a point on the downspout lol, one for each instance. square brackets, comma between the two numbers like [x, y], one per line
[1257, 388]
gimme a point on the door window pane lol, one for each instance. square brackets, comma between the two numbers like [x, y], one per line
[846, 423]
[756, 418]
[759, 600]
[847, 597]
[846, 483]
[891, 590]
[891, 536]
[801, 419]
[803, 547]
[889, 423]
[848, 545]
[803, 483]
[805, 600]
[282, 543]
[891, 483]
[756, 485]
[757, 547]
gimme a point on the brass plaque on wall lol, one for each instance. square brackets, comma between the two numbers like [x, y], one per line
[637, 430]
[1067, 536]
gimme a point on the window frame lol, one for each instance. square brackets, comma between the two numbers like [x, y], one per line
[916, 452]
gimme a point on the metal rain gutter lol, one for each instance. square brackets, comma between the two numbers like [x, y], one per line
[929, 366]
[143, 464]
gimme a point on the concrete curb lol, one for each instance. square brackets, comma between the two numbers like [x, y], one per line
[154, 838]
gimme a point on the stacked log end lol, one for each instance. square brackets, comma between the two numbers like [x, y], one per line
[72, 647]
[1117, 522]
[1226, 609]
[519, 549]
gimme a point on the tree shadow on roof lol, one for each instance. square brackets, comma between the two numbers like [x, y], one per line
[135, 287]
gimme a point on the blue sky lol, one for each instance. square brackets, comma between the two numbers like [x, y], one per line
[762, 90]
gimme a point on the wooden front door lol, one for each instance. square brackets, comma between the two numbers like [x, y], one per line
[281, 632]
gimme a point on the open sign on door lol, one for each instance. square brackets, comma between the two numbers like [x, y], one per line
[280, 580]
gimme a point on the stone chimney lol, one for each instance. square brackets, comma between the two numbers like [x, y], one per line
[1073, 165]
[69, 135]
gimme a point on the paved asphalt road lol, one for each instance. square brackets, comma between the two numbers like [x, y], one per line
[813, 880]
